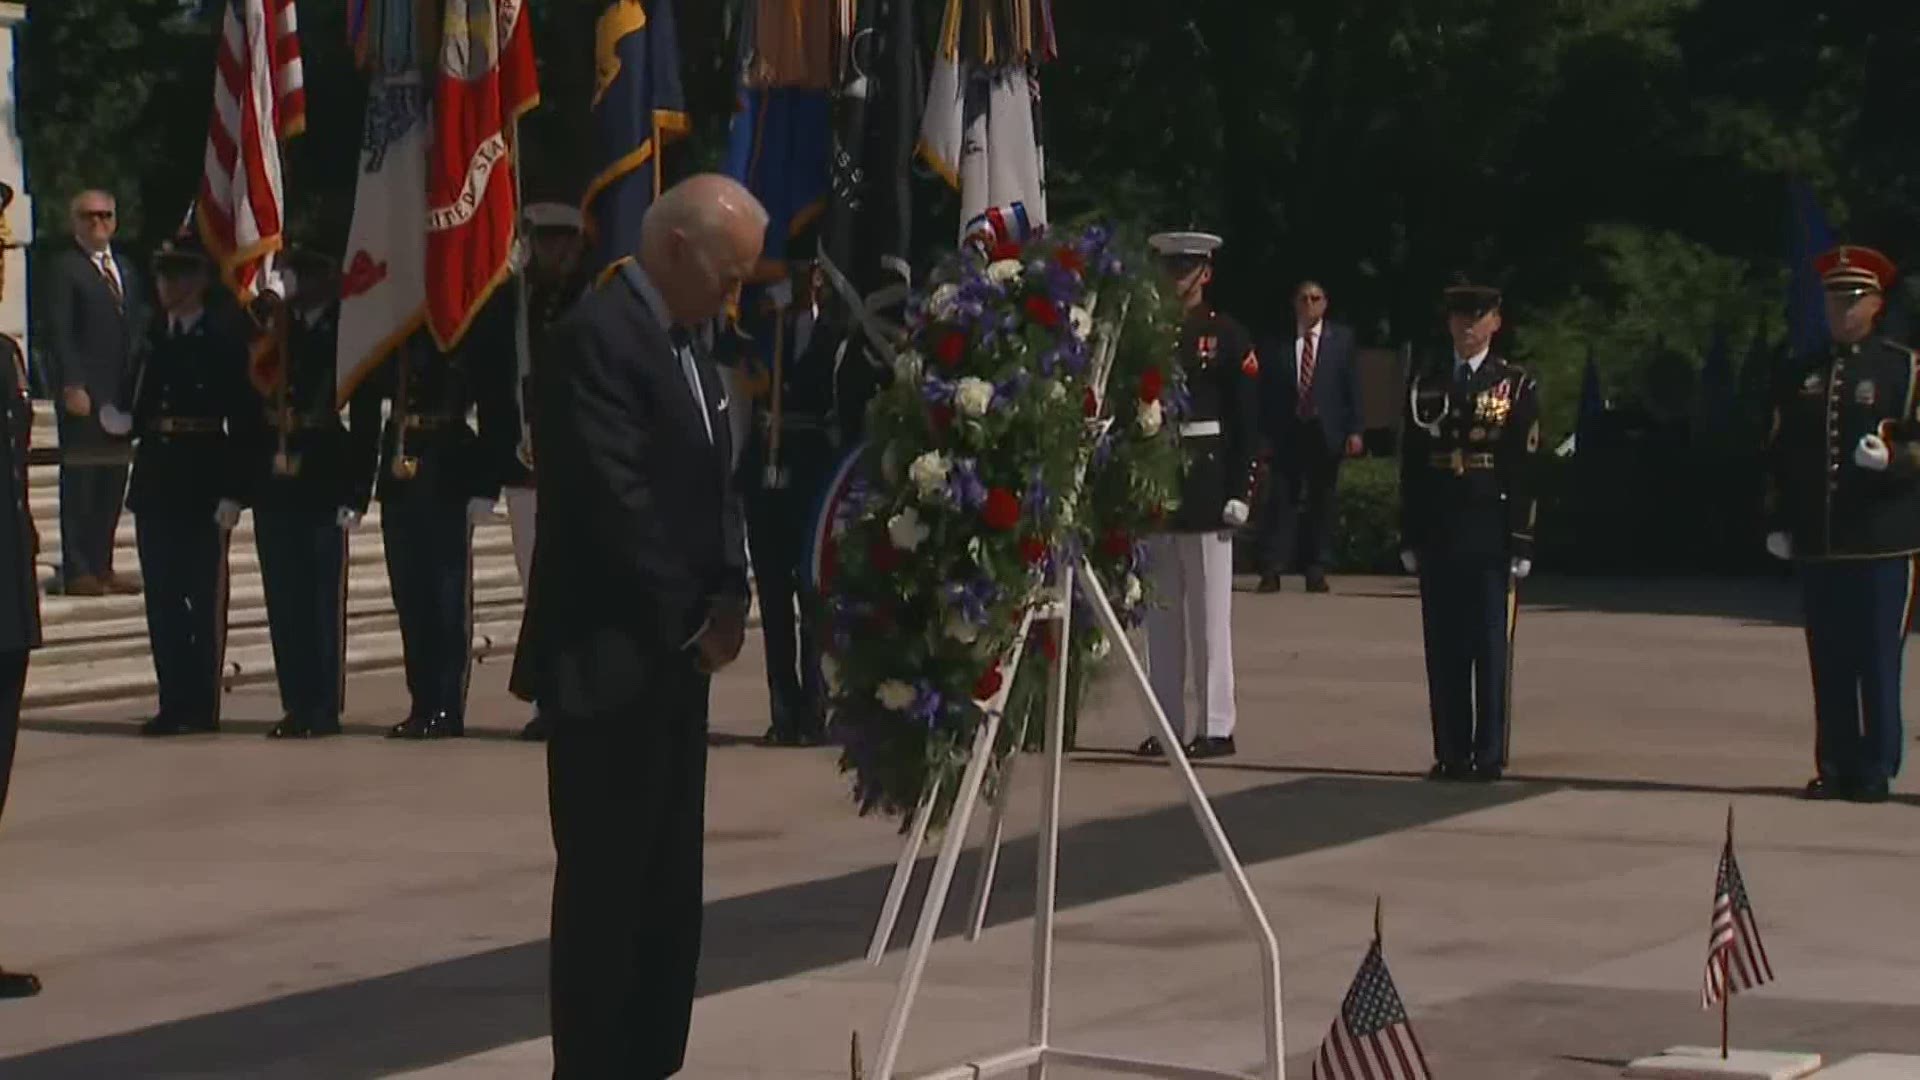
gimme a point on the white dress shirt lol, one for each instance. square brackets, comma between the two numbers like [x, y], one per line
[1300, 349]
[688, 369]
[1473, 362]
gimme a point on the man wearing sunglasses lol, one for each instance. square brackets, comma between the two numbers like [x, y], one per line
[96, 312]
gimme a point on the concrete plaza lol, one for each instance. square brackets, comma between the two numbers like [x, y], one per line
[225, 906]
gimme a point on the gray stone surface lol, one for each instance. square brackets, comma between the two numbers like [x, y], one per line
[226, 906]
[1706, 1063]
[1875, 1067]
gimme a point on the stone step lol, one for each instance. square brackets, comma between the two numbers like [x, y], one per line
[365, 548]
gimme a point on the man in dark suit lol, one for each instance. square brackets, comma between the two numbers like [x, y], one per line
[95, 311]
[639, 593]
[19, 592]
[1310, 420]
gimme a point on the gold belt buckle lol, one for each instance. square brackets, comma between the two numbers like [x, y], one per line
[1459, 462]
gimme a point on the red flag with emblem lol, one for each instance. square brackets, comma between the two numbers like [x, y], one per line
[484, 82]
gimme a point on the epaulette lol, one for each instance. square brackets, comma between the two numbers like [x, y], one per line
[611, 269]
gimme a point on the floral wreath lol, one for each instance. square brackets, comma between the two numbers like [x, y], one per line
[963, 508]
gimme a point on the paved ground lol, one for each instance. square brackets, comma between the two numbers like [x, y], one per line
[225, 906]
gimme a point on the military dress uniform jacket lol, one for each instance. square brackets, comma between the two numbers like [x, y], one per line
[192, 404]
[326, 469]
[452, 461]
[19, 541]
[1222, 424]
[1467, 465]
[1833, 508]
[547, 301]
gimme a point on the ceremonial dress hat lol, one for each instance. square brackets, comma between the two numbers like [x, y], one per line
[558, 217]
[1184, 245]
[1850, 268]
[1470, 294]
[183, 254]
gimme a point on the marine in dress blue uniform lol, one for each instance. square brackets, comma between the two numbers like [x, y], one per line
[1844, 505]
[1190, 629]
[191, 406]
[437, 476]
[309, 483]
[1467, 509]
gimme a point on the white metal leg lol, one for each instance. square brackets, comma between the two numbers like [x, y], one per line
[902, 877]
[990, 843]
[1047, 841]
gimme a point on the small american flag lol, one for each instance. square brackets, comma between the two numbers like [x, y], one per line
[1371, 1039]
[259, 101]
[1734, 950]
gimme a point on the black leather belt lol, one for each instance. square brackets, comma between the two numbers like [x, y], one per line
[1459, 461]
[297, 422]
[429, 422]
[187, 425]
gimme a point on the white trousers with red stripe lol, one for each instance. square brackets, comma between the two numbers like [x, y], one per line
[1190, 628]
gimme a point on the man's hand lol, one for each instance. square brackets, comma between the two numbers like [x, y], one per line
[1780, 546]
[113, 421]
[1236, 513]
[1521, 568]
[227, 514]
[76, 400]
[726, 632]
[1872, 453]
[1410, 561]
[1356, 446]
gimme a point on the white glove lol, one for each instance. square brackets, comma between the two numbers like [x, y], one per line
[781, 293]
[1236, 513]
[347, 518]
[480, 511]
[1780, 545]
[1521, 568]
[227, 513]
[1872, 453]
[113, 421]
[519, 255]
[1410, 561]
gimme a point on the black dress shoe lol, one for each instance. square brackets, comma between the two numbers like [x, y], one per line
[435, 726]
[1870, 791]
[294, 726]
[164, 726]
[1269, 583]
[1151, 748]
[1210, 746]
[18, 984]
[1448, 771]
[537, 729]
[1487, 774]
[1821, 789]
[1317, 582]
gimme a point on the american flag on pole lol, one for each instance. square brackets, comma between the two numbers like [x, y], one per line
[1371, 1039]
[1736, 957]
[259, 101]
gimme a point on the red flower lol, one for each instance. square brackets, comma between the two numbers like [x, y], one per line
[1089, 404]
[989, 683]
[1150, 386]
[1043, 311]
[883, 555]
[1116, 544]
[1071, 260]
[1004, 249]
[952, 349]
[1002, 511]
[942, 417]
[1032, 549]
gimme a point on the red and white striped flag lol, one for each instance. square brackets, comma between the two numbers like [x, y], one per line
[259, 102]
[1736, 957]
[485, 82]
[1371, 1039]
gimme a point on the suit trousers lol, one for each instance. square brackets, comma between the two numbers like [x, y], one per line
[183, 557]
[13, 684]
[1190, 628]
[90, 501]
[627, 796]
[1468, 611]
[429, 546]
[303, 568]
[1296, 503]
[1858, 614]
[776, 536]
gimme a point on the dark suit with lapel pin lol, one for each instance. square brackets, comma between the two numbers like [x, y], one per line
[640, 538]
[1306, 440]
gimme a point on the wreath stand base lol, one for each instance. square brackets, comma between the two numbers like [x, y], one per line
[1039, 1050]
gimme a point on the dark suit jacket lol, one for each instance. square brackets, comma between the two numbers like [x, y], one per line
[1336, 385]
[640, 532]
[93, 340]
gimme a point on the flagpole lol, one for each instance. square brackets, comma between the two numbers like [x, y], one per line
[1376, 920]
[1726, 980]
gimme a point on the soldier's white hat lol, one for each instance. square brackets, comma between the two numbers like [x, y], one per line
[1189, 245]
[553, 215]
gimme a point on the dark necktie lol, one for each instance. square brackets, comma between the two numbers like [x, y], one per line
[1305, 404]
[108, 274]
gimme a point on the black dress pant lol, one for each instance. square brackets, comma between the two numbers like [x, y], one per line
[90, 500]
[429, 546]
[1296, 513]
[1467, 608]
[628, 800]
[13, 684]
[183, 557]
[303, 568]
[776, 535]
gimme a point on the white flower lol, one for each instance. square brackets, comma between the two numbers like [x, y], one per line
[976, 549]
[1057, 390]
[906, 531]
[894, 695]
[1150, 418]
[959, 629]
[907, 366]
[1082, 320]
[1131, 590]
[940, 304]
[1005, 272]
[929, 473]
[1101, 647]
[830, 673]
[973, 396]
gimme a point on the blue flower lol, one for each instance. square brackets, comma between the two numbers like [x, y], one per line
[964, 486]
[927, 704]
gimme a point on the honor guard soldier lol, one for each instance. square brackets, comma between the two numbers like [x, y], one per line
[436, 478]
[1190, 629]
[19, 585]
[1844, 504]
[191, 405]
[553, 279]
[310, 486]
[1472, 431]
